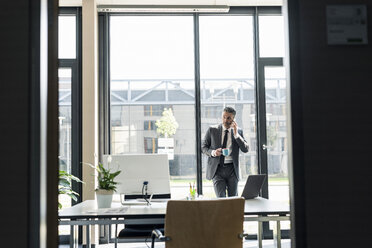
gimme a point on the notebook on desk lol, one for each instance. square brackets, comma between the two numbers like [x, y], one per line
[253, 186]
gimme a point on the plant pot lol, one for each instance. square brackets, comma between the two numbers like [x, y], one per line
[104, 198]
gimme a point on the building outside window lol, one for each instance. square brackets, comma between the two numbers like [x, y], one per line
[152, 70]
[152, 74]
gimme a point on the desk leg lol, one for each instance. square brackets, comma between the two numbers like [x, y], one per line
[116, 236]
[74, 239]
[277, 235]
[87, 227]
[259, 234]
[106, 233]
[72, 229]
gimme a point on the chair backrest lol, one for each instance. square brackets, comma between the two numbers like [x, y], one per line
[205, 223]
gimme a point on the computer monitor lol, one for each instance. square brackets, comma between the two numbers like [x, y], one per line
[138, 168]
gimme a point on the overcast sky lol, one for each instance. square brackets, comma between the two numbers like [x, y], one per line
[162, 47]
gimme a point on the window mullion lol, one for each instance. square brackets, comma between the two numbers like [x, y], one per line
[197, 106]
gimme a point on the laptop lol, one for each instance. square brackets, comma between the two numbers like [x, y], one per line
[253, 186]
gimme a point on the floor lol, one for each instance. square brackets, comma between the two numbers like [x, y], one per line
[247, 244]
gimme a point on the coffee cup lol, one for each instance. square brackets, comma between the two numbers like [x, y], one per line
[225, 151]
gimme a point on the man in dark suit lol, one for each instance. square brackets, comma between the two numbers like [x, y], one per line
[224, 170]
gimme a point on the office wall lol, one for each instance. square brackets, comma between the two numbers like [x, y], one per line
[89, 103]
[332, 138]
[15, 120]
[29, 162]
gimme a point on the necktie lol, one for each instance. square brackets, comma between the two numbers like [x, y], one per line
[222, 158]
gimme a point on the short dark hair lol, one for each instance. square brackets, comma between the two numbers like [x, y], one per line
[230, 110]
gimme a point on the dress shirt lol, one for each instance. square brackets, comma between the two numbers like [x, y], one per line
[228, 158]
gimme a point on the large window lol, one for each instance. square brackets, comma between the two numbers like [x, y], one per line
[152, 91]
[227, 74]
[69, 101]
[166, 69]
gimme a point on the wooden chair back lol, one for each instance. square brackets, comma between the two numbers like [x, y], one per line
[205, 223]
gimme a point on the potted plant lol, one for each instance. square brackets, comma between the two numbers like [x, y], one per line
[106, 185]
[64, 185]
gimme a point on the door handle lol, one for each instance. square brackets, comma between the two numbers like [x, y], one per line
[265, 147]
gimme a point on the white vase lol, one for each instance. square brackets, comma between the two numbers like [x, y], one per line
[104, 198]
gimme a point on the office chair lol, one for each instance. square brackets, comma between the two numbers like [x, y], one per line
[135, 233]
[203, 224]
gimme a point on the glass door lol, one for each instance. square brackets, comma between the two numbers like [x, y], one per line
[271, 112]
[276, 133]
[272, 132]
[271, 105]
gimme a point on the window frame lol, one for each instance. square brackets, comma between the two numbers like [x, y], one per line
[104, 75]
[104, 85]
[76, 107]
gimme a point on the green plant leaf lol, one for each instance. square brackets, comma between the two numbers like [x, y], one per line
[72, 196]
[64, 185]
[76, 179]
[115, 174]
[64, 182]
[105, 177]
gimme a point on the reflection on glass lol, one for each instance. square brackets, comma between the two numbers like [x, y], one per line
[227, 79]
[64, 102]
[64, 117]
[66, 50]
[67, 37]
[271, 36]
[152, 92]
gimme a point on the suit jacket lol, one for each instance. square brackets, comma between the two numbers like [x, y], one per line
[212, 141]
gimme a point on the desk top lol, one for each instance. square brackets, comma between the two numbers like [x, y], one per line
[88, 209]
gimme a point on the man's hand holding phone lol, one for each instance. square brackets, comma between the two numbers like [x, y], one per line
[234, 125]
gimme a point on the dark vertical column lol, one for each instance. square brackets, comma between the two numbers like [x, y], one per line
[331, 130]
[296, 173]
[52, 140]
[16, 118]
[256, 81]
[104, 84]
[197, 106]
[76, 111]
[20, 126]
[34, 113]
[261, 124]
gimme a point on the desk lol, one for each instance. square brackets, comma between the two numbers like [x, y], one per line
[86, 214]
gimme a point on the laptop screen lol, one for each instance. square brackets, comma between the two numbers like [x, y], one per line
[253, 186]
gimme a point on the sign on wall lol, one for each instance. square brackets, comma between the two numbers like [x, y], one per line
[347, 24]
[166, 146]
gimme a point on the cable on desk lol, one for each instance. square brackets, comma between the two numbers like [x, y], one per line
[144, 191]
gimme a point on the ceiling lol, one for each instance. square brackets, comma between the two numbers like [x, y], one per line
[65, 3]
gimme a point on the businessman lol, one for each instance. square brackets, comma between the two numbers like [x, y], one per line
[224, 170]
